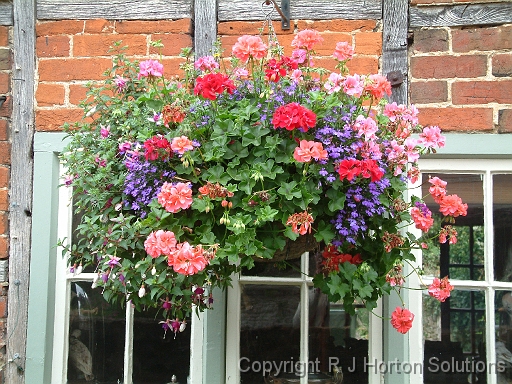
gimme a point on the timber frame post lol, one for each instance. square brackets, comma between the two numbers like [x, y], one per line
[20, 197]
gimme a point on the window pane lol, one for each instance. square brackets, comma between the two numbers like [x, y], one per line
[97, 333]
[156, 358]
[454, 337]
[502, 220]
[503, 311]
[270, 330]
[271, 268]
[463, 260]
[337, 338]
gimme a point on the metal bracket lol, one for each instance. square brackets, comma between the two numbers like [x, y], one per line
[284, 12]
[395, 78]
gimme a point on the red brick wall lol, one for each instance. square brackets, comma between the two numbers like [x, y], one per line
[364, 35]
[70, 53]
[461, 78]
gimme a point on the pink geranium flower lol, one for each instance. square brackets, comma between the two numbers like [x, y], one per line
[308, 150]
[422, 217]
[378, 86]
[352, 85]
[438, 188]
[187, 260]
[249, 46]
[343, 51]
[206, 63]
[401, 319]
[150, 68]
[181, 144]
[440, 289]
[431, 137]
[175, 197]
[333, 83]
[307, 39]
[451, 205]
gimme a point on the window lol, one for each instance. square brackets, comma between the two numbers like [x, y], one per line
[281, 326]
[467, 338]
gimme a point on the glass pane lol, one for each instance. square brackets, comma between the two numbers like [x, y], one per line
[96, 342]
[270, 331]
[337, 339]
[271, 268]
[465, 259]
[502, 220]
[503, 312]
[454, 337]
[156, 358]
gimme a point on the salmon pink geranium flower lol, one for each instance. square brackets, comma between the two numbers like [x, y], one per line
[249, 46]
[174, 197]
[401, 319]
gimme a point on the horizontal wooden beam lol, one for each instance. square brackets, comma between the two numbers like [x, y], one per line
[114, 9]
[461, 15]
[302, 9]
[6, 16]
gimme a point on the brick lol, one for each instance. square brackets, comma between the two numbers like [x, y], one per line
[482, 39]
[443, 67]
[155, 26]
[5, 82]
[6, 109]
[99, 45]
[77, 93]
[5, 58]
[52, 46]
[4, 223]
[505, 121]
[4, 177]
[431, 40]
[338, 25]
[4, 247]
[172, 66]
[4, 200]
[73, 69]
[429, 92]
[48, 95]
[54, 119]
[369, 43]
[4, 36]
[502, 64]
[458, 119]
[5, 153]
[61, 27]
[3, 306]
[359, 64]
[99, 26]
[482, 92]
[4, 130]
[173, 44]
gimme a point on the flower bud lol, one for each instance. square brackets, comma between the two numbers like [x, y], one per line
[183, 326]
[142, 291]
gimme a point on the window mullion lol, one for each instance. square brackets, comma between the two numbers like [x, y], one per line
[304, 314]
[128, 344]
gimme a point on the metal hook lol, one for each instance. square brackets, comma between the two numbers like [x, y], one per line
[284, 12]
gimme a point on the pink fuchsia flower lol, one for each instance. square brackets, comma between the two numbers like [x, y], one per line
[104, 131]
[438, 188]
[68, 180]
[187, 260]
[431, 137]
[293, 116]
[333, 83]
[440, 289]
[452, 205]
[175, 197]
[422, 217]
[113, 261]
[181, 144]
[353, 85]
[125, 146]
[150, 68]
[101, 162]
[249, 46]
[120, 83]
[308, 150]
[206, 63]
[343, 51]
[300, 222]
[307, 39]
[378, 86]
[401, 319]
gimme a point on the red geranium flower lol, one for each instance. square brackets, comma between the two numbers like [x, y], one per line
[212, 84]
[292, 116]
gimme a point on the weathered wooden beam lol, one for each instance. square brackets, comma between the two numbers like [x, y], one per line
[205, 24]
[5, 12]
[394, 45]
[461, 15]
[114, 9]
[20, 196]
[302, 9]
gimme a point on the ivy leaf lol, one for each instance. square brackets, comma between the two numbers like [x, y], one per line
[336, 202]
[290, 190]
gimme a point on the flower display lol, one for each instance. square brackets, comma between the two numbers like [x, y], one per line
[180, 183]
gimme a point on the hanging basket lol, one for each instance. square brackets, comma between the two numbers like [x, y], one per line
[293, 249]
